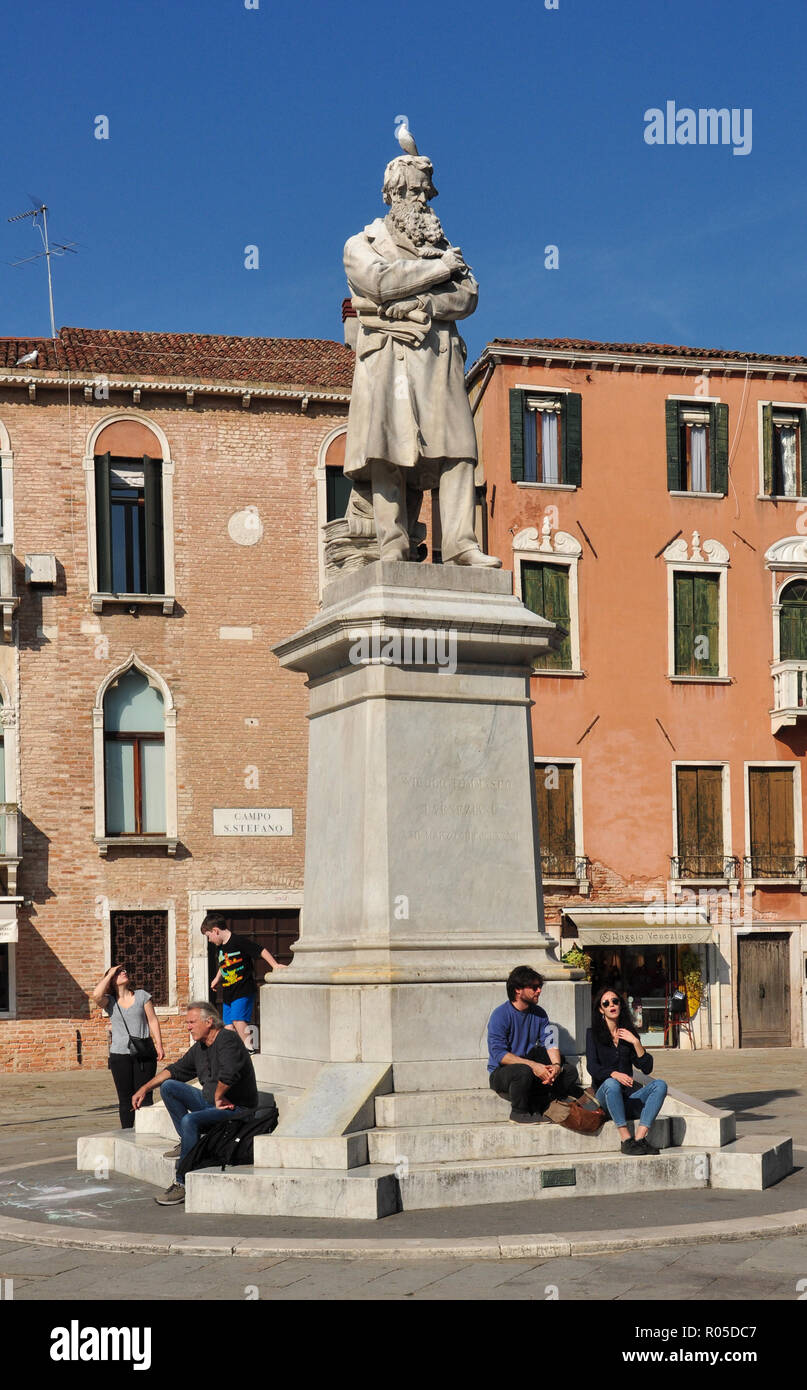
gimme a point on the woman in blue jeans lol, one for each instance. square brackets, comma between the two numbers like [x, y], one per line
[612, 1051]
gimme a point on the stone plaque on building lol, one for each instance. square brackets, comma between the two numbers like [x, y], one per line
[251, 820]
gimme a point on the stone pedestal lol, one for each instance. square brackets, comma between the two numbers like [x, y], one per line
[422, 871]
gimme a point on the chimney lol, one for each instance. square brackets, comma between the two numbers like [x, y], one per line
[349, 324]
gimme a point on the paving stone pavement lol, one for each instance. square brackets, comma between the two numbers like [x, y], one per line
[41, 1116]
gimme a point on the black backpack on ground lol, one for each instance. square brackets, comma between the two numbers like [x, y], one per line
[227, 1144]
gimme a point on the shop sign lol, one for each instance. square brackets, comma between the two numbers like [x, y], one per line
[8, 930]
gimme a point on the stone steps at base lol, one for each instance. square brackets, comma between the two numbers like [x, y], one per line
[377, 1190]
[693, 1123]
[444, 1143]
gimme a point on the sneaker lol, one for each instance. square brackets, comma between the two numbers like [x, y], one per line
[648, 1147]
[173, 1197]
[173, 1153]
[525, 1117]
[635, 1147]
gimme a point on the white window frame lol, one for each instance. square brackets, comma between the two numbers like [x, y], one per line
[552, 548]
[100, 601]
[169, 840]
[320, 479]
[726, 816]
[11, 1011]
[784, 406]
[716, 561]
[798, 821]
[166, 905]
[7, 473]
[576, 764]
[222, 900]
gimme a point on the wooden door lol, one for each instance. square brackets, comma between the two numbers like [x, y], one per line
[763, 990]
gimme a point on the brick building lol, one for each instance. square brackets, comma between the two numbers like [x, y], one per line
[162, 498]
[652, 501]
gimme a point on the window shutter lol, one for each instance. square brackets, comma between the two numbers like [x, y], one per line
[719, 448]
[517, 436]
[759, 814]
[153, 499]
[687, 816]
[572, 426]
[684, 606]
[555, 804]
[532, 587]
[710, 816]
[781, 809]
[706, 623]
[803, 452]
[556, 609]
[767, 449]
[673, 448]
[103, 526]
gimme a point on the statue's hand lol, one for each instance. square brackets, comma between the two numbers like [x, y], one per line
[453, 261]
[400, 308]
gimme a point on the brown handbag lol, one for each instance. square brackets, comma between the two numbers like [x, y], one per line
[582, 1119]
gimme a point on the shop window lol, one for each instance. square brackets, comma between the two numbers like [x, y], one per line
[546, 437]
[643, 975]
[697, 446]
[134, 757]
[129, 525]
[772, 825]
[699, 817]
[139, 940]
[5, 980]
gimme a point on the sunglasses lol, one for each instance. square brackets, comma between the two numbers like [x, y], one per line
[606, 1003]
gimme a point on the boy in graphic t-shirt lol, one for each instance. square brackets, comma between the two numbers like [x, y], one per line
[236, 973]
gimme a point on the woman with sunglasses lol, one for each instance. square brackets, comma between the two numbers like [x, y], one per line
[131, 1015]
[612, 1051]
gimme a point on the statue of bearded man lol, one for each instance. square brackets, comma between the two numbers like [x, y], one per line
[410, 426]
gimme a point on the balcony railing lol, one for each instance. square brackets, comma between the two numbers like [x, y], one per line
[567, 868]
[700, 866]
[789, 692]
[775, 865]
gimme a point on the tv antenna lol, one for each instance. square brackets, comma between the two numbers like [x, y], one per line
[39, 211]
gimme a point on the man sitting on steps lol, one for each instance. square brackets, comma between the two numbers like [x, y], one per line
[220, 1061]
[525, 1065]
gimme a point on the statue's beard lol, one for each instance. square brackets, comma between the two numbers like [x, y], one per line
[419, 225]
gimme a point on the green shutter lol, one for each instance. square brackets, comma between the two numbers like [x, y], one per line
[803, 453]
[556, 609]
[673, 448]
[103, 524]
[153, 501]
[572, 427]
[706, 623]
[719, 448]
[532, 587]
[767, 449]
[684, 606]
[517, 404]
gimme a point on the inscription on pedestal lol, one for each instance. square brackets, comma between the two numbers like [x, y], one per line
[466, 800]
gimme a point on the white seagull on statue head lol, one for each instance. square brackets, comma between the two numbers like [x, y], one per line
[404, 136]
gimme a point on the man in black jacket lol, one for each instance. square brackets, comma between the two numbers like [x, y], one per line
[220, 1061]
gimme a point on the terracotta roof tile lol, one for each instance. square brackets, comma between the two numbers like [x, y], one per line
[646, 349]
[312, 362]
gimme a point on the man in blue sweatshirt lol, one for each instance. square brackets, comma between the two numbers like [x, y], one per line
[524, 1063]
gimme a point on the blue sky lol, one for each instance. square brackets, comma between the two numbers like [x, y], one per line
[231, 127]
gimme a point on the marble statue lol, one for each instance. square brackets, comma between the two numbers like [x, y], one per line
[410, 427]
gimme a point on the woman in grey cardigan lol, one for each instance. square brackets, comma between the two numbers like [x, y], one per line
[131, 1015]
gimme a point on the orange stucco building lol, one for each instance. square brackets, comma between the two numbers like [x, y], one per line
[652, 501]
